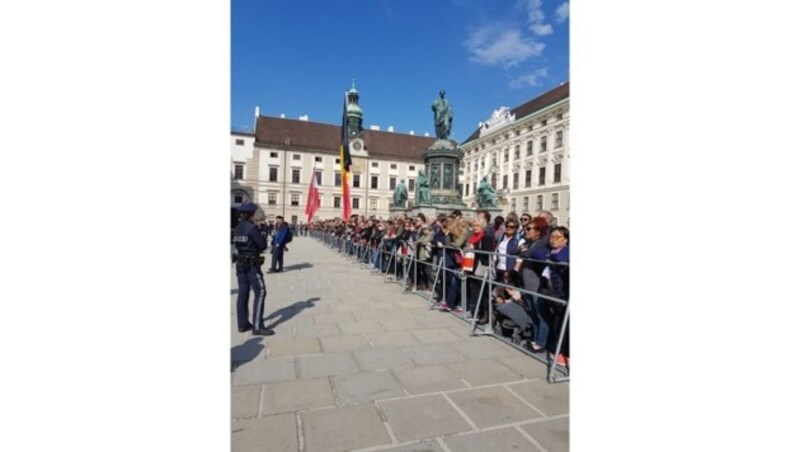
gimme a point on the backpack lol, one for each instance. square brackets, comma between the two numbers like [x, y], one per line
[288, 235]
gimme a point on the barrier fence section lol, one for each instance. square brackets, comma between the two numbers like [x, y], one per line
[400, 264]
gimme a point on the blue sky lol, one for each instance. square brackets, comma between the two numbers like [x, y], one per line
[297, 57]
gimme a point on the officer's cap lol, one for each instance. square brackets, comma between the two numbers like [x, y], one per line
[248, 207]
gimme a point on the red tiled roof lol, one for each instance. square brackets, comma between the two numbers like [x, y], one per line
[282, 133]
[557, 94]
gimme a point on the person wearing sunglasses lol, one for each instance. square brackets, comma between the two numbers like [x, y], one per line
[535, 247]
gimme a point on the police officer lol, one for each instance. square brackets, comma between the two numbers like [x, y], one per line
[250, 243]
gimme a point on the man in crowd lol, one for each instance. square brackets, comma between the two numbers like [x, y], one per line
[283, 235]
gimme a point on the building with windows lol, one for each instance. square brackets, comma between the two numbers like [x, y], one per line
[524, 152]
[273, 166]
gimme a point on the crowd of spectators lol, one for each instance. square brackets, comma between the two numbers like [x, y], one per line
[524, 253]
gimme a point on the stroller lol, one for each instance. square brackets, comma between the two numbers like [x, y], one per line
[514, 322]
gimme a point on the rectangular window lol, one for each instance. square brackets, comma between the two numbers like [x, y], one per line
[272, 199]
[238, 198]
[543, 123]
[356, 180]
[374, 164]
[273, 174]
[412, 168]
[554, 222]
[393, 166]
[374, 182]
[318, 159]
[356, 203]
[239, 142]
[466, 187]
[516, 152]
[238, 171]
[337, 179]
[559, 138]
[295, 156]
[539, 202]
[337, 161]
[392, 183]
[505, 155]
[557, 172]
[475, 188]
[273, 155]
[525, 204]
[559, 116]
[319, 177]
[516, 181]
[528, 178]
[295, 199]
[373, 203]
[530, 148]
[554, 202]
[411, 185]
[543, 145]
[294, 219]
[542, 173]
[337, 201]
[476, 165]
[505, 181]
[513, 204]
[295, 175]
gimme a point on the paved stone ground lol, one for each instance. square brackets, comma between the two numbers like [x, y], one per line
[357, 364]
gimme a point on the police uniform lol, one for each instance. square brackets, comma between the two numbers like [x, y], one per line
[250, 244]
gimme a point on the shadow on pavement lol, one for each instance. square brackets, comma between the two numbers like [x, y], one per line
[246, 352]
[297, 266]
[290, 311]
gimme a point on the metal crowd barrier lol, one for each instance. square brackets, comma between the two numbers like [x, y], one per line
[383, 259]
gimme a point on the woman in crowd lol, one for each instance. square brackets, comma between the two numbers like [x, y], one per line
[558, 275]
[499, 229]
[457, 235]
[535, 247]
[424, 257]
[481, 242]
[507, 250]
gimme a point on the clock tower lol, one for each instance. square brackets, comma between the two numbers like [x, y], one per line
[355, 117]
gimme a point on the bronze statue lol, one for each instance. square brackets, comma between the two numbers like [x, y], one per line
[442, 116]
[400, 194]
[487, 197]
[423, 189]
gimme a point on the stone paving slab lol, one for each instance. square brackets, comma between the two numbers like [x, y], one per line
[326, 365]
[281, 348]
[422, 417]
[379, 359]
[481, 372]
[260, 371]
[501, 440]
[391, 339]
[553, 434]
[275, 433]
[316, 331]
[345, 343]
[344, 428]
[425, 379]
[366, 387]
[435, 336]
[549, 398]
[433, 354]
[244, 401]
[296, 395]
[491, 406]
[483, 348]
[361, 327]
[524, 365]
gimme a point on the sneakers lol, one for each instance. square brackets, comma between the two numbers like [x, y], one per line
[561, 361]
[443, 306]
[457, 310]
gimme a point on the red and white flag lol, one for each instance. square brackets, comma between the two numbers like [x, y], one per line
[312, 203]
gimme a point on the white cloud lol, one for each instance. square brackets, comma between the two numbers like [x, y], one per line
[531, 79]
[536, 18]
[490, 46]
[562, 12]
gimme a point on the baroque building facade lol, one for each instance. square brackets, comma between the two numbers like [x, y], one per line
[273, 166]
[524, 153]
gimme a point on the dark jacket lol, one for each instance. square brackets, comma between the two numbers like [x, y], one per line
[282, 236]
[248, 239]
